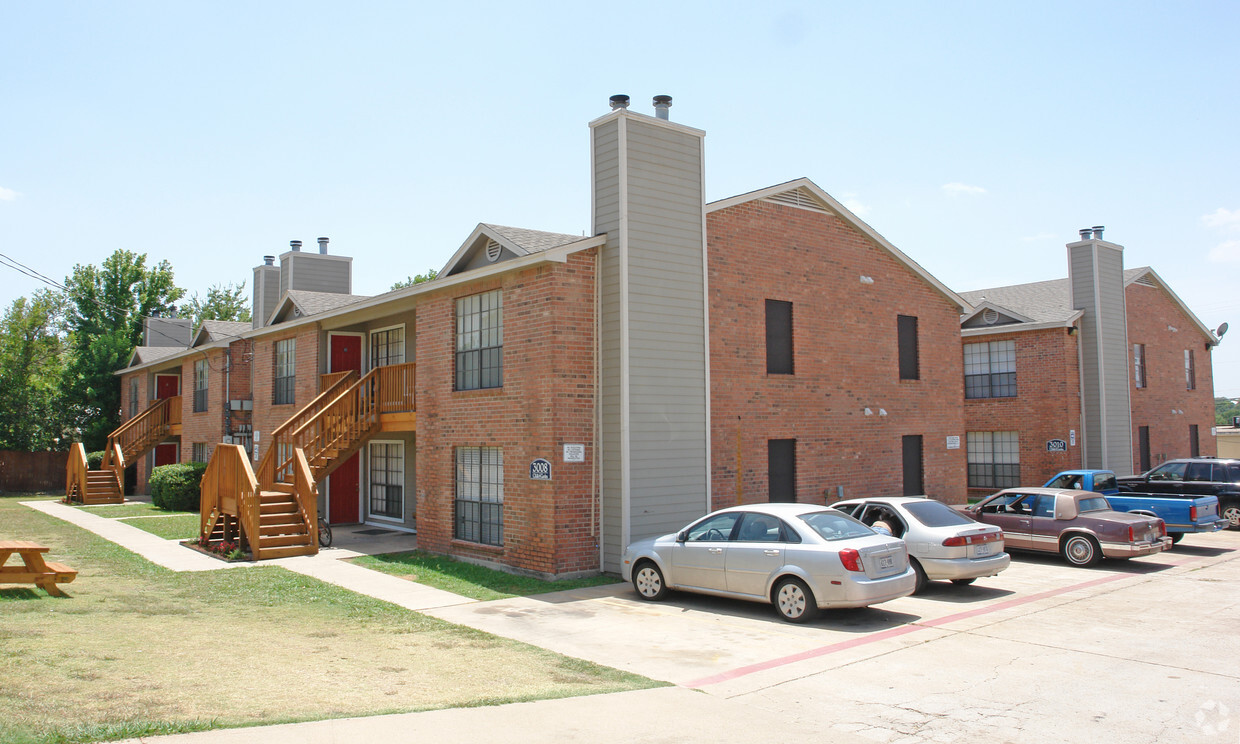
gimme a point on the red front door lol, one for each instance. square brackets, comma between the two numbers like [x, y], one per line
[167, 386]
[166, 454]
[345, 353]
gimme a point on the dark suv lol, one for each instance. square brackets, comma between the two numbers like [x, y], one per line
[1197, 476]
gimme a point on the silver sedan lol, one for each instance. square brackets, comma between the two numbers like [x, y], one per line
[798, 557]
[942, 542]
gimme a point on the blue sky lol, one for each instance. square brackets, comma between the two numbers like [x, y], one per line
[977, 137]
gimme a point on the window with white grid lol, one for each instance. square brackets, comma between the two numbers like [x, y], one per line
[480, 495]
[480, 341]
[994, 459]
[990, 370]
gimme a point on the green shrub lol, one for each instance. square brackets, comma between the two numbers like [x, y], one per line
[175, 487]
[94, 460]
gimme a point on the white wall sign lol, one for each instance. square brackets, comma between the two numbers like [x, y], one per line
[574, 453]
[953, 443]
[1072, 437]
[258, 436]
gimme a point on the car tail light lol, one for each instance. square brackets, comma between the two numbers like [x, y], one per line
[851, 560]
[962, 540]
[1192, 514]
[1162, 528]
[1132, 534]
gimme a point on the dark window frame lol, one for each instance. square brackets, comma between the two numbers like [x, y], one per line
[284, 378]
[479, 512]
[1140, 377]
[1190, 370]
[781, 470]
[906, 338]
[779, 347]
[480, 341]
[988, 473]
[200, 385]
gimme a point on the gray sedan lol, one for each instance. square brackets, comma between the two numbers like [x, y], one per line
[942, 542]
[798, 557]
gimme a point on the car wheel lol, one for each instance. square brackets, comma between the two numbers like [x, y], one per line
[648, 581]
[1081, 550]
[1231, 512]
[921, 576]
[795, 601]
[1175, 537]
[963, 582]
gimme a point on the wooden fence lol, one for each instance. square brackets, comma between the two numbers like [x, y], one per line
[32, 471]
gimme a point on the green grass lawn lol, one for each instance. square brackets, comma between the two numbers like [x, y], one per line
[136, 509]
[466, 579]
[138, 650]
[175, 527]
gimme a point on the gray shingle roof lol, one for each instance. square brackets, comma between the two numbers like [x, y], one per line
[313, 303]
[146, 354]
[220, 329]
[1040, 301]
[533, 241]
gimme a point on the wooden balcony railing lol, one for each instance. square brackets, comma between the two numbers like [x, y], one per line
[140, 433]
[396, 387]
[269, 471]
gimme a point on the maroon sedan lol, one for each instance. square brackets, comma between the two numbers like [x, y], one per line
[1080, 525]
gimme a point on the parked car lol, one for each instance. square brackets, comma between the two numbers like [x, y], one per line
[943, 544]
[1182, 512]
[798, 557]
[1080, 525]
[1194, 476]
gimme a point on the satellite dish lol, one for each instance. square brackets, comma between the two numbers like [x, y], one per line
[1221, 330]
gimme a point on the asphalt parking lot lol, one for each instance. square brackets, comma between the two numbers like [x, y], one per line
[1136, 651]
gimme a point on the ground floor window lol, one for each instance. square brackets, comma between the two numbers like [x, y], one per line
[994, 459]
[480, 495]
[199, 452]
[387, 479]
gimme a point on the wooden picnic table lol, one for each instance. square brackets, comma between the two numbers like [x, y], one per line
[34, 569]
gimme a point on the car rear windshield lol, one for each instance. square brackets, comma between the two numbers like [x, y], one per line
[1094, 503]
[834, 525]
[1104, 482]
[936, 514]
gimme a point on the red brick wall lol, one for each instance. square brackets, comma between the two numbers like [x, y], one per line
[845, 360]
[1151, 315]
[547, 400]
[144, 394]
[268, 416]
[1047, 405]
[203, 426]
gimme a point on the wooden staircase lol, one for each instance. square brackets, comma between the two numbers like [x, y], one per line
[131, 440]
[274, 509]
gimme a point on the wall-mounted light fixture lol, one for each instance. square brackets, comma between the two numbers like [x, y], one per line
[868, 412]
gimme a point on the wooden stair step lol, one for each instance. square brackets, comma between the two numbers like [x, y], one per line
[289, 551]
[283, 541]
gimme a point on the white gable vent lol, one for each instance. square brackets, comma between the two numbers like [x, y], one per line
[989, 316]
[799, 198]
[1146, 281]
[493, 251]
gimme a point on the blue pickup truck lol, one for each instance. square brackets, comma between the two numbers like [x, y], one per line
[1181, 512]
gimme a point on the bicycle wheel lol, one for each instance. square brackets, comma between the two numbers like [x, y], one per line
[325, 533]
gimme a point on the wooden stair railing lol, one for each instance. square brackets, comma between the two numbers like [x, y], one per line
[272, 524]
[75, 472]
[127, 443]
[268, 472]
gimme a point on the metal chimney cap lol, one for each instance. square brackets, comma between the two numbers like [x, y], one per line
[295, 245]
[269, 260]
[665, 100]
[322, 245]
[661, 104]
[1098, 232]
[619, 101]
[1085, 233]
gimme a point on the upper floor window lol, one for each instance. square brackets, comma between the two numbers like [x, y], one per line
[1190, 370]
[778, 337]
[906, 329]
[990, 370]
[1138, 365]
[200, 386]
[480, 341]
[134, 410]
[284, 391]
[387, 346]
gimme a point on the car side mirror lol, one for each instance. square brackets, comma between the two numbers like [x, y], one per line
[684, 535]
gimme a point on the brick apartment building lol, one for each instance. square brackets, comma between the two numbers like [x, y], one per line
[1105, 369]
[566, 395]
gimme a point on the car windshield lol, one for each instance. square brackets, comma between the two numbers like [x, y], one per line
[834, 525]
[936, 514]
[1094, 503]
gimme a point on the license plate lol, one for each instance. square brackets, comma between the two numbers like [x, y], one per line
[982, 549]
[886, 562]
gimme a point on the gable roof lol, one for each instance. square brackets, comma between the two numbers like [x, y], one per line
[148, 354]
[803, 193]
[301, 302]
[489, 244]
[219, 330]
[1049, 303]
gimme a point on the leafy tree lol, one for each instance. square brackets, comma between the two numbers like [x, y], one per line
[106, 305]
[1224, 409]
[428, 276]
[222, 303]
[32, 360]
